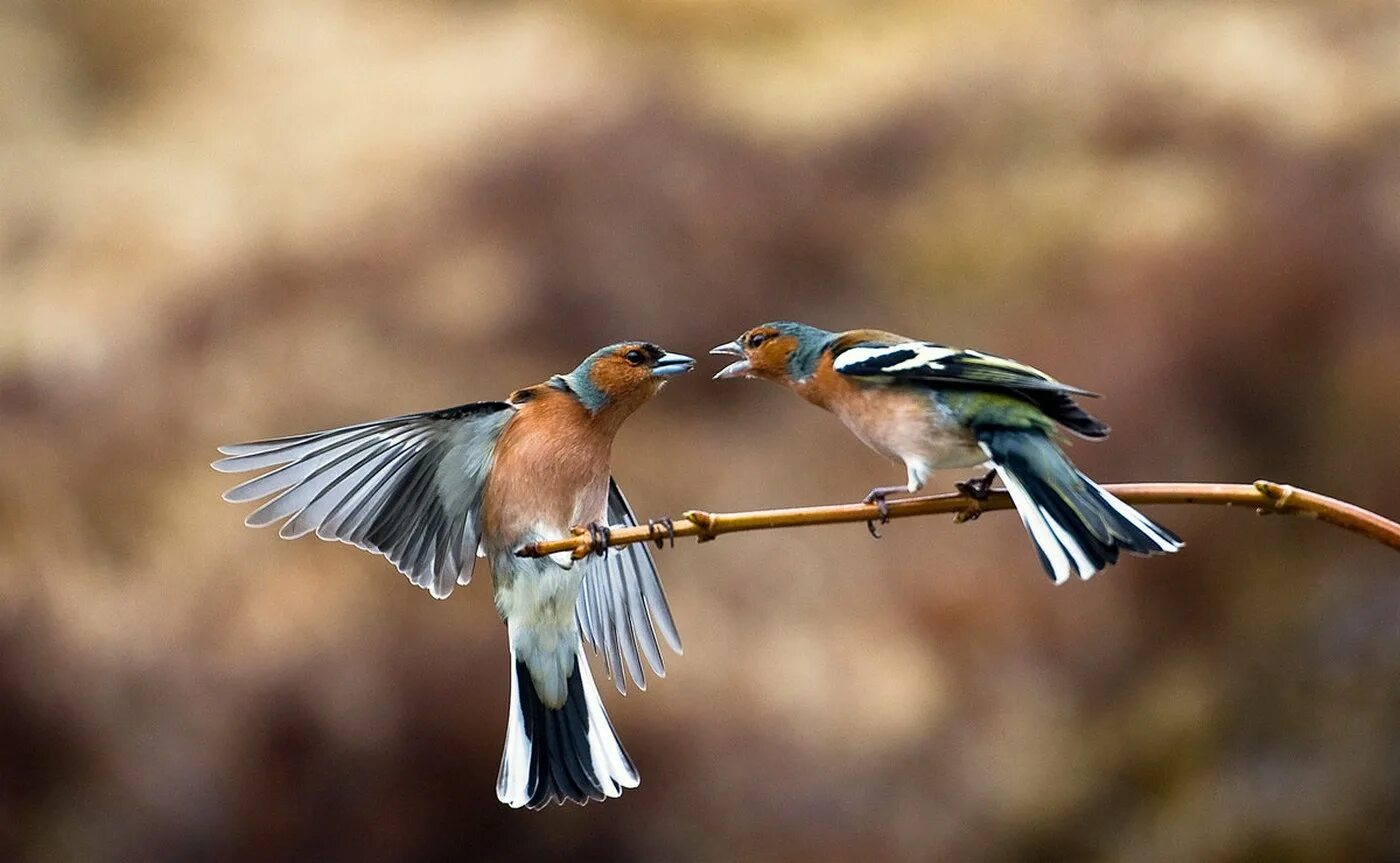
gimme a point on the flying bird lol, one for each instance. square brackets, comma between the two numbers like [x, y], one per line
[932, 406]
[433, 491]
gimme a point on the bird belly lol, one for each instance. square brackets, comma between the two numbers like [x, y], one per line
[537, 592]
[546, 481]
[536, 598]
[912, 427]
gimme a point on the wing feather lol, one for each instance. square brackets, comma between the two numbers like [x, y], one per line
[623, 606]
[343, 490]
[408, 487]
[926, 361]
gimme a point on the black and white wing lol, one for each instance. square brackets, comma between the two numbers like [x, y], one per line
[408, 488]
[622, 605]
[933, 364]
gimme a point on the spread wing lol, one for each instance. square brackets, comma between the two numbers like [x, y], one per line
[408, 488]
[621, 601]
[926, 361]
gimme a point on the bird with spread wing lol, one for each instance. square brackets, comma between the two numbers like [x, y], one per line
[433, 491]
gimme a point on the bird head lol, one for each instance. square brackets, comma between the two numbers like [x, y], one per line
[625, 375]
[780, 351]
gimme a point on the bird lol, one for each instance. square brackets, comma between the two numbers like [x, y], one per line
[931, 406]
[434, 491]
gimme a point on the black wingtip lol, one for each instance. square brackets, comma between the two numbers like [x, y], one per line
[1065, 411]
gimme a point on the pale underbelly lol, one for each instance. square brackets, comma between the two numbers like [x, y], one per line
[536, 599]
[916, 432]
[539, 595]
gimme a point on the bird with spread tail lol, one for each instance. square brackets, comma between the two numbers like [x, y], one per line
[932, 406]
[433, 491]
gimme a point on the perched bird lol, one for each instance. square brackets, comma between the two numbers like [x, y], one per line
[432, 491]
[932, 406]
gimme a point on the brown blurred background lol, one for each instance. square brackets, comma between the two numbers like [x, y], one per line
[222, 221]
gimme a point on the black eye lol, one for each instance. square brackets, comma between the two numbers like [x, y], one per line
[634, 357]
[756, 339]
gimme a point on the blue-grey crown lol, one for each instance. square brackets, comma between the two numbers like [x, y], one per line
[811, 341]
[581, 383]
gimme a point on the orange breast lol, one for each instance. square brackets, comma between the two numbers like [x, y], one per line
[827, 388]
[895, 422]
[551, 472]
[900, 422]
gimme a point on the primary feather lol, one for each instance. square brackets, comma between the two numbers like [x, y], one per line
[622, 604]
[407, 487]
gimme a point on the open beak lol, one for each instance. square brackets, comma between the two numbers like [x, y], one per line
[672, 364]
[733, 370]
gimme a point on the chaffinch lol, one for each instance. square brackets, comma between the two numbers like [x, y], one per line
[932, 406]
[432, 491]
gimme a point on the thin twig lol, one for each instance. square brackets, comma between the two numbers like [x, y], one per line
[1265, 496]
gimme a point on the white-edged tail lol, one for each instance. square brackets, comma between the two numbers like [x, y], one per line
[513, 781]
[554, 754]
[1076, 525]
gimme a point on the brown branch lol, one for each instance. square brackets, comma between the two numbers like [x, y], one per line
[1266, 497]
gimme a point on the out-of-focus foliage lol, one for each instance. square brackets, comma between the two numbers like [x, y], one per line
[222, 221]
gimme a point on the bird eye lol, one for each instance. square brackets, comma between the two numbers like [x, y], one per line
[634, 357]
[756, 339]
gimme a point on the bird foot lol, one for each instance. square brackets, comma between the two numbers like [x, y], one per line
[599, 538]
[977, 489]
[877, 497]
[667, 530]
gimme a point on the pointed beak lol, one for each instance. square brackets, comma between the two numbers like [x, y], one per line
[733, 370]
[740, 369]
[672, 364]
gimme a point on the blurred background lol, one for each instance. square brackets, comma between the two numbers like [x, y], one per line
[222, 221]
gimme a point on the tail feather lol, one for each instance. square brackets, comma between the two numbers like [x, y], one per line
[1075, 524]
[556, 754]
